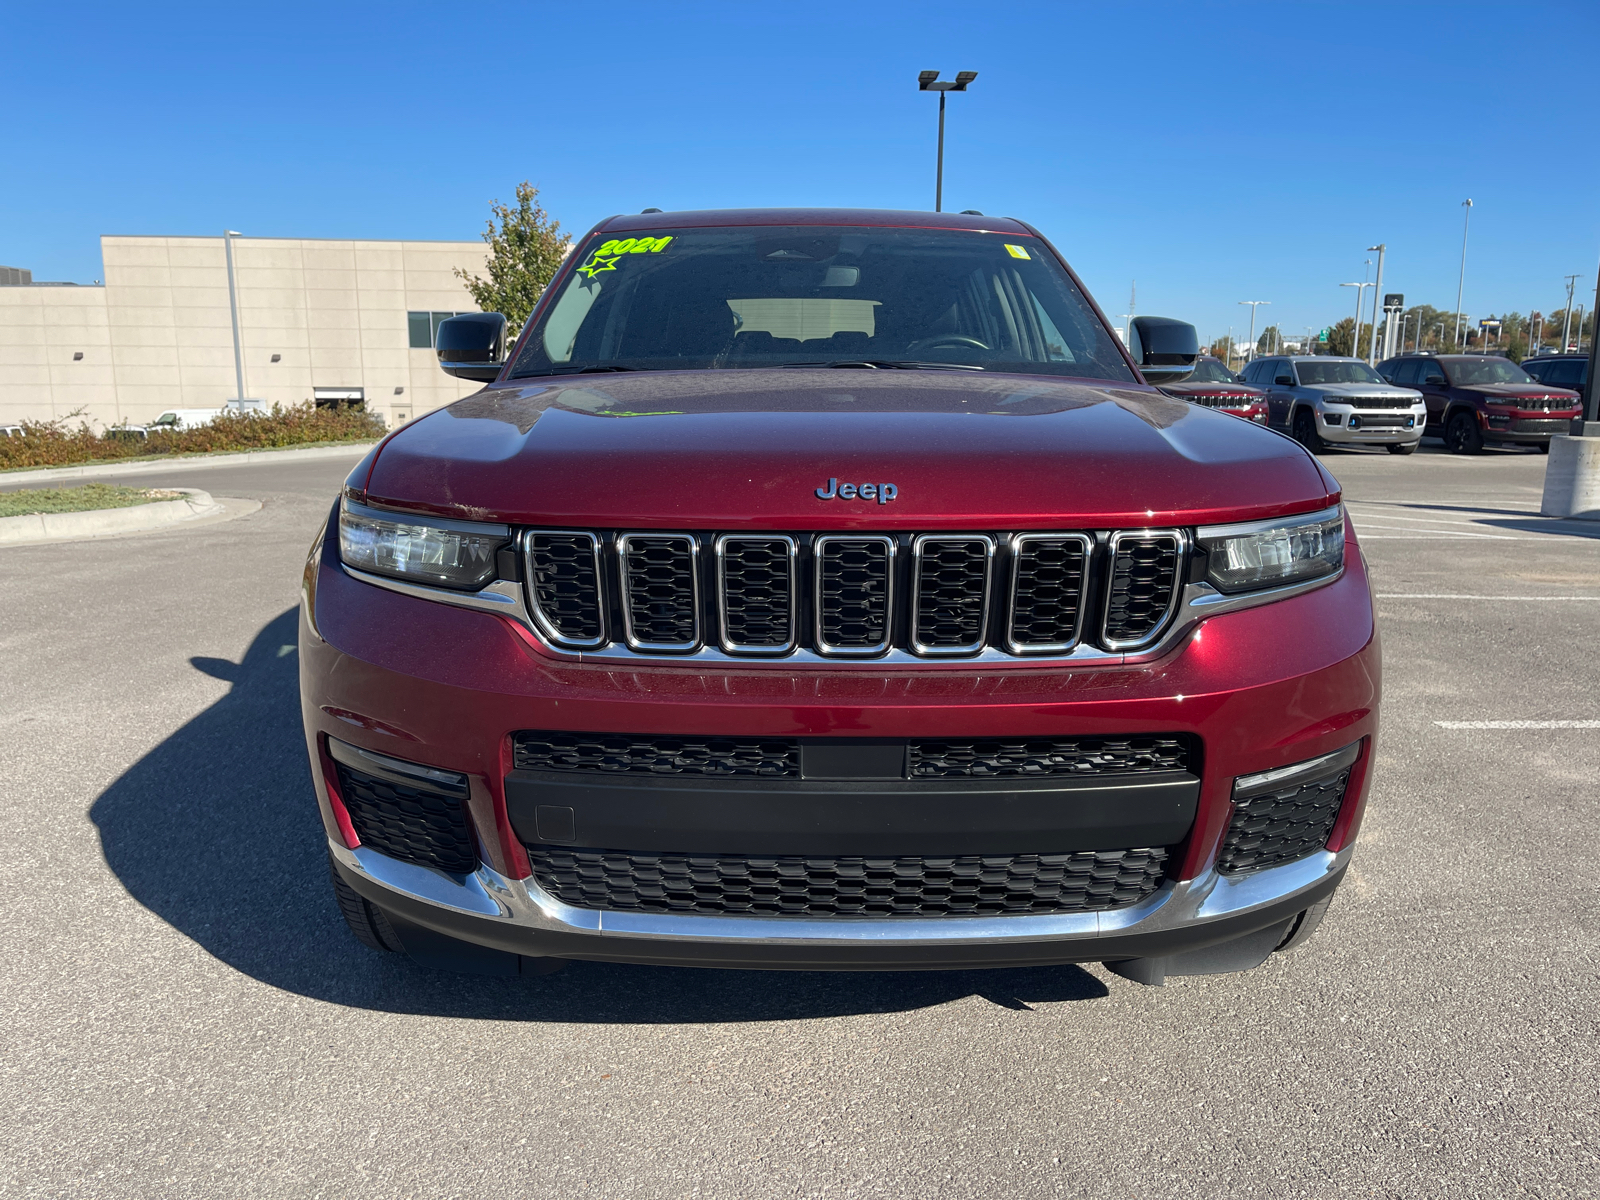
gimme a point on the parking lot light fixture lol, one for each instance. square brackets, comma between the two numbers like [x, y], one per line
[1377, 290]
[1462, 282]
[1253, 304]
[928, 81]
[1355, 334]
[233, 305]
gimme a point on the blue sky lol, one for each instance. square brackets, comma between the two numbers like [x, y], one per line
[1212, 152]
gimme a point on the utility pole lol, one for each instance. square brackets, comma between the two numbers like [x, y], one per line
[1566, 320]
[1462, 283]
[1253, 304]
[233, 307]
[1377, 290]
[928, 81]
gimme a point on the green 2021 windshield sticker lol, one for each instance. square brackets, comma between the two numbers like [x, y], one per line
[605, 257]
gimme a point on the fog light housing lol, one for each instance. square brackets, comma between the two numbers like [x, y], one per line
[1287, 813]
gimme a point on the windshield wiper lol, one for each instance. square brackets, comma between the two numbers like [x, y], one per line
[885, 364]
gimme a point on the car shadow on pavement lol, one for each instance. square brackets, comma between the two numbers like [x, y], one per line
[216, 832]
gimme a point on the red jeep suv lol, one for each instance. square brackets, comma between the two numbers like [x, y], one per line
[824, 589]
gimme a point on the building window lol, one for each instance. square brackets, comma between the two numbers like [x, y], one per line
[424, 327]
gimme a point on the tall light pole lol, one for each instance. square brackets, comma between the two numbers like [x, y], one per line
[1462, 282]
[1355, 334]
[1253, 304]
[233, 305]
[928, 81]
[1377, 290]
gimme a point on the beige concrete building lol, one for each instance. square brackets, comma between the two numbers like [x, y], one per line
[319, 320]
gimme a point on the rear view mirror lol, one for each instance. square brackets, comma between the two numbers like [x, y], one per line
[472, 346]
[1165, 349]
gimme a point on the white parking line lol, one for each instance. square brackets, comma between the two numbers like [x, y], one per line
[1454, 596]
[1518, 724]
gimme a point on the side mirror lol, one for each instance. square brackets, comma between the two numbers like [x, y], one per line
[1165, 349]
[472, 346]
[1284, 381]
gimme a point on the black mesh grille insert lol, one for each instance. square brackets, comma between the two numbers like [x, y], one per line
[408, 823]
[1542, 425]
[952, 592]
[1047, 600]
[756, 577]
[1367, 402]
[566, 584]
[624, 753]
[1240, 401]
[1052, 756]
[659, 590]
[853, 581]
[1144, 575]
[1282, 826]
[967, 886]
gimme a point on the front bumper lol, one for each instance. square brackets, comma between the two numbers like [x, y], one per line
[516, 916]
[1344, 425]
[1259, 688]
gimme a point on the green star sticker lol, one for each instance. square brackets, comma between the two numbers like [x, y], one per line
[594, 267]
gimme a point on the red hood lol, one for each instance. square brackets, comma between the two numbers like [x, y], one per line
[1519, 391]
[748, 449]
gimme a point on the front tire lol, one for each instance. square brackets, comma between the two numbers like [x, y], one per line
[366, 920]
[1462, 434]
[1403, 448]
[1305, 431]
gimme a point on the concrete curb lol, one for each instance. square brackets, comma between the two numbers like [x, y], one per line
[183, 462]
[41, 527]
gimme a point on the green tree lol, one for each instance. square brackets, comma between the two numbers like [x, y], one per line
[1340, 342]
[525, 250]
[1270, 341]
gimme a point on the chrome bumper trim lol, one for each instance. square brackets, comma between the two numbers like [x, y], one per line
[488, 894]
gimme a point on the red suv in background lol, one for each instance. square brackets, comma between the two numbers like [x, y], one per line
[830, 589]
[1212, 385]
[1476, 398]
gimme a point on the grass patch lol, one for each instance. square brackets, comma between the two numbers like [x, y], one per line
[54, 444]
[87, 498]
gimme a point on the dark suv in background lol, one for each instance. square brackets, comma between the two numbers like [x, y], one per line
[1473, 399]
[1559, 370]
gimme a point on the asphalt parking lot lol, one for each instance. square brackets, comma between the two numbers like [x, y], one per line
[184, 1013]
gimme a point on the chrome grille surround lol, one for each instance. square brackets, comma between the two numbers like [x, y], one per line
[726, 552]
[659, 569]
[546, 578]
[830, 571]
[1020, 544]
[1159, 608]
[942, 598]
[1196, 601]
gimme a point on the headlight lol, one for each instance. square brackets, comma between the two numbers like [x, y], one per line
[429, 550]
[1242, 558]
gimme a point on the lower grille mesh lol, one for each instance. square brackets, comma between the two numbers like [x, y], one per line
[966, 886]
[1282, 826]
[624, 753]
[1051, 756]
[408, 823]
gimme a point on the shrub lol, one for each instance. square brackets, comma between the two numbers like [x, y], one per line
[54, 444]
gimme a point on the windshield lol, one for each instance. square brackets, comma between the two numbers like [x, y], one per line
[1336, 370]
[777, 296]
[1210, 370]
[1464, 372]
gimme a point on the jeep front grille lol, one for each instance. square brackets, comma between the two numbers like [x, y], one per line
[849, 595]
[1366, 402]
